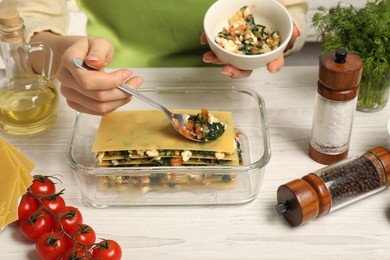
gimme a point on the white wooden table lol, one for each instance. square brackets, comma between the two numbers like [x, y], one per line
[247, 231]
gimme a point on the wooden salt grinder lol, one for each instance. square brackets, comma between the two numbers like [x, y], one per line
[338, 85]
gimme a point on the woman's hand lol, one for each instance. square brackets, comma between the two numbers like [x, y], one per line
[276, 65]
[93, 92]
[227, 70]
[233, 72]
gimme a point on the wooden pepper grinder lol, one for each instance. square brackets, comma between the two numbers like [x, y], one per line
[338, 85]
[334, 186]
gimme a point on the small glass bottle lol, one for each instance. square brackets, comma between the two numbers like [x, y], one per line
[334, 186]
[28, 101]
[338, 85]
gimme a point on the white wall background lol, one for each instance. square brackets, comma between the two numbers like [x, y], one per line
[313, 4]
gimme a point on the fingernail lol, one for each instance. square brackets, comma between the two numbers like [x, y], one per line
[92, 58]
[206, 61]
[140, 81]
[127, 74]
[226, 73]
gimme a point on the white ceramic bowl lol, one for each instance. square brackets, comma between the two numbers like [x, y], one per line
[267, 12]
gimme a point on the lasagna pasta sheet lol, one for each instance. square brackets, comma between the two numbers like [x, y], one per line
[123, 136]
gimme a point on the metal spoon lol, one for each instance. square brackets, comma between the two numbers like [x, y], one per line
[178, 120]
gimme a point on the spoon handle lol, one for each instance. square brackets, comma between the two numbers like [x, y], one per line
[137, 94]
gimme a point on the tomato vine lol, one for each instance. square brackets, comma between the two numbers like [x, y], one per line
[58, 229]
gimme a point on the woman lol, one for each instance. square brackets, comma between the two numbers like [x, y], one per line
[148, 33]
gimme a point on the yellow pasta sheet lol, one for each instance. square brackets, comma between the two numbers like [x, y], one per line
[151, 129]
[15, 178]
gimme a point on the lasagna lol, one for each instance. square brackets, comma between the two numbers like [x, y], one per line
[145, 138]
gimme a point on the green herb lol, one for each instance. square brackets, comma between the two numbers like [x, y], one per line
[212, 130]
[215, 130]
[213, 161]
[366, 32]
[156, 178]
[161, 161]
[226, 178]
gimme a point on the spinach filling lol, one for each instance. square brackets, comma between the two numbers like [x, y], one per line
[210, 131]
[249, 37]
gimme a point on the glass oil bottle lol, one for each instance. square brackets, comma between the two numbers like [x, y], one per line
[28, 101]
[334, 186]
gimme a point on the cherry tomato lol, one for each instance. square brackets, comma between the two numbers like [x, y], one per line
[53, 202]
[69, 217]
[107, 250]
[42, 185]
[51, 245]
[35, 224]
[27, 205]
[83, 234]
[76, 253]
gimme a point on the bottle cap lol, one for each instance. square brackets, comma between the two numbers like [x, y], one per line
[11, 25]
[297, 202]
[339, 72]
[9, 17]
[340, 56]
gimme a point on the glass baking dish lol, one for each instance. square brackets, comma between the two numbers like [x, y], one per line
[111, 186]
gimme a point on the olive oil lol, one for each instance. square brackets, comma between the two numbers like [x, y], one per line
[28, 105]
[28, 101]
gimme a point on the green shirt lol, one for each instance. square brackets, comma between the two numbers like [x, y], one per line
[149, 33]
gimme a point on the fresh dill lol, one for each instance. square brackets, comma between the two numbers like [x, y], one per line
[366, 32]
